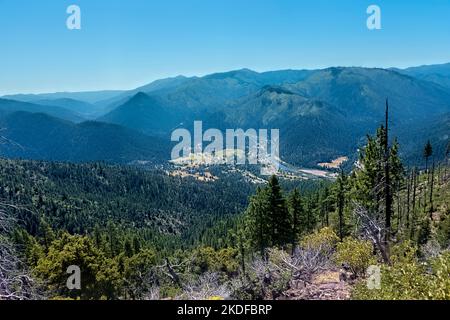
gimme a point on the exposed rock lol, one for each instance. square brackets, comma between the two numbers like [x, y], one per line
[326, 285]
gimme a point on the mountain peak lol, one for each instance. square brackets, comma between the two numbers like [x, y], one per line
[242, 74]
[140, 96]
[246, 70]
[140, 99]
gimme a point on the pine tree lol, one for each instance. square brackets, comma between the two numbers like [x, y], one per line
[128, 248]
[325, 201]
[388, 199]
[340, 197]
[136, 244]
[242, 245]
[380, 168]
[297, 216]
[427, 153]
[431, 189]
[369, 176]
[413, 215]
[257, 224]
[279, 215]
[408, 197]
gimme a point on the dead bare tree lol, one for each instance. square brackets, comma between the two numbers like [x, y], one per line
[307, 261]
[372, 229]
[15, 281]
[206, 287]
[169, 269]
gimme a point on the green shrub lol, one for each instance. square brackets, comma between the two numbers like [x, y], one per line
[440, 283]
[409, 279]
[357, 254]
[324, 239]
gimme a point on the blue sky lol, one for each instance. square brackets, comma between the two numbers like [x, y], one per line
[124, 44]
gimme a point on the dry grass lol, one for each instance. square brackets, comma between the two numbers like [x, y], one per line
[335, 164]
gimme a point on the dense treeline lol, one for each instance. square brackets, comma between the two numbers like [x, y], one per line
[410, 209]
[84, 198]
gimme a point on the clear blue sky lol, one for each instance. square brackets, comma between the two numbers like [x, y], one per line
[124, 44]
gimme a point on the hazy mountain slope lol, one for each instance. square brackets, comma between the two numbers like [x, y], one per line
[321, 114]
[361, 93]
[162, 84]
[329, 113]
[188, 99]
[157, 85]
[214, 92]
[439, 73]
[39, 136]
[84, 108]
[87, 96]
[147, 114]
[310, 130]
[272, 104]
[211, 92]
[281, 77]
[412, 142]
[8, 106]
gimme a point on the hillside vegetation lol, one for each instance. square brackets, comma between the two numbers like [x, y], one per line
[144, 235]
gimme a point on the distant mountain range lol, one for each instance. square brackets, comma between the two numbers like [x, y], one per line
[40, 136]
[52, 108]
[321, 114]
[439, 74]
[88, 96]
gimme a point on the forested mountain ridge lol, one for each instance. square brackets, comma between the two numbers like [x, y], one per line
[86, 109]
[86, 96]
[147, 114]
[345, 100]
[439, 73]
[321, 114]
[10, 106]
[42, 137]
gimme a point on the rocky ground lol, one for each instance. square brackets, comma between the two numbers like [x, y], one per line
[325, 286]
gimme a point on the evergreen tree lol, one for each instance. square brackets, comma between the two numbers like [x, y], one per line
[257, 222]
[388, 198]
[340, 198]
[431, 189]
[427, 153]
[380, 168]
[279, 215]
[297, 216]
[128, 248]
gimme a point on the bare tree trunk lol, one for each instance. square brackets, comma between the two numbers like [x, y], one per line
[172, 274]
[373, 231]
[431, 191]
[408, 194]
[341, 218]
[399, 211]
[16, 282]
[387, 183]
[413, 214]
